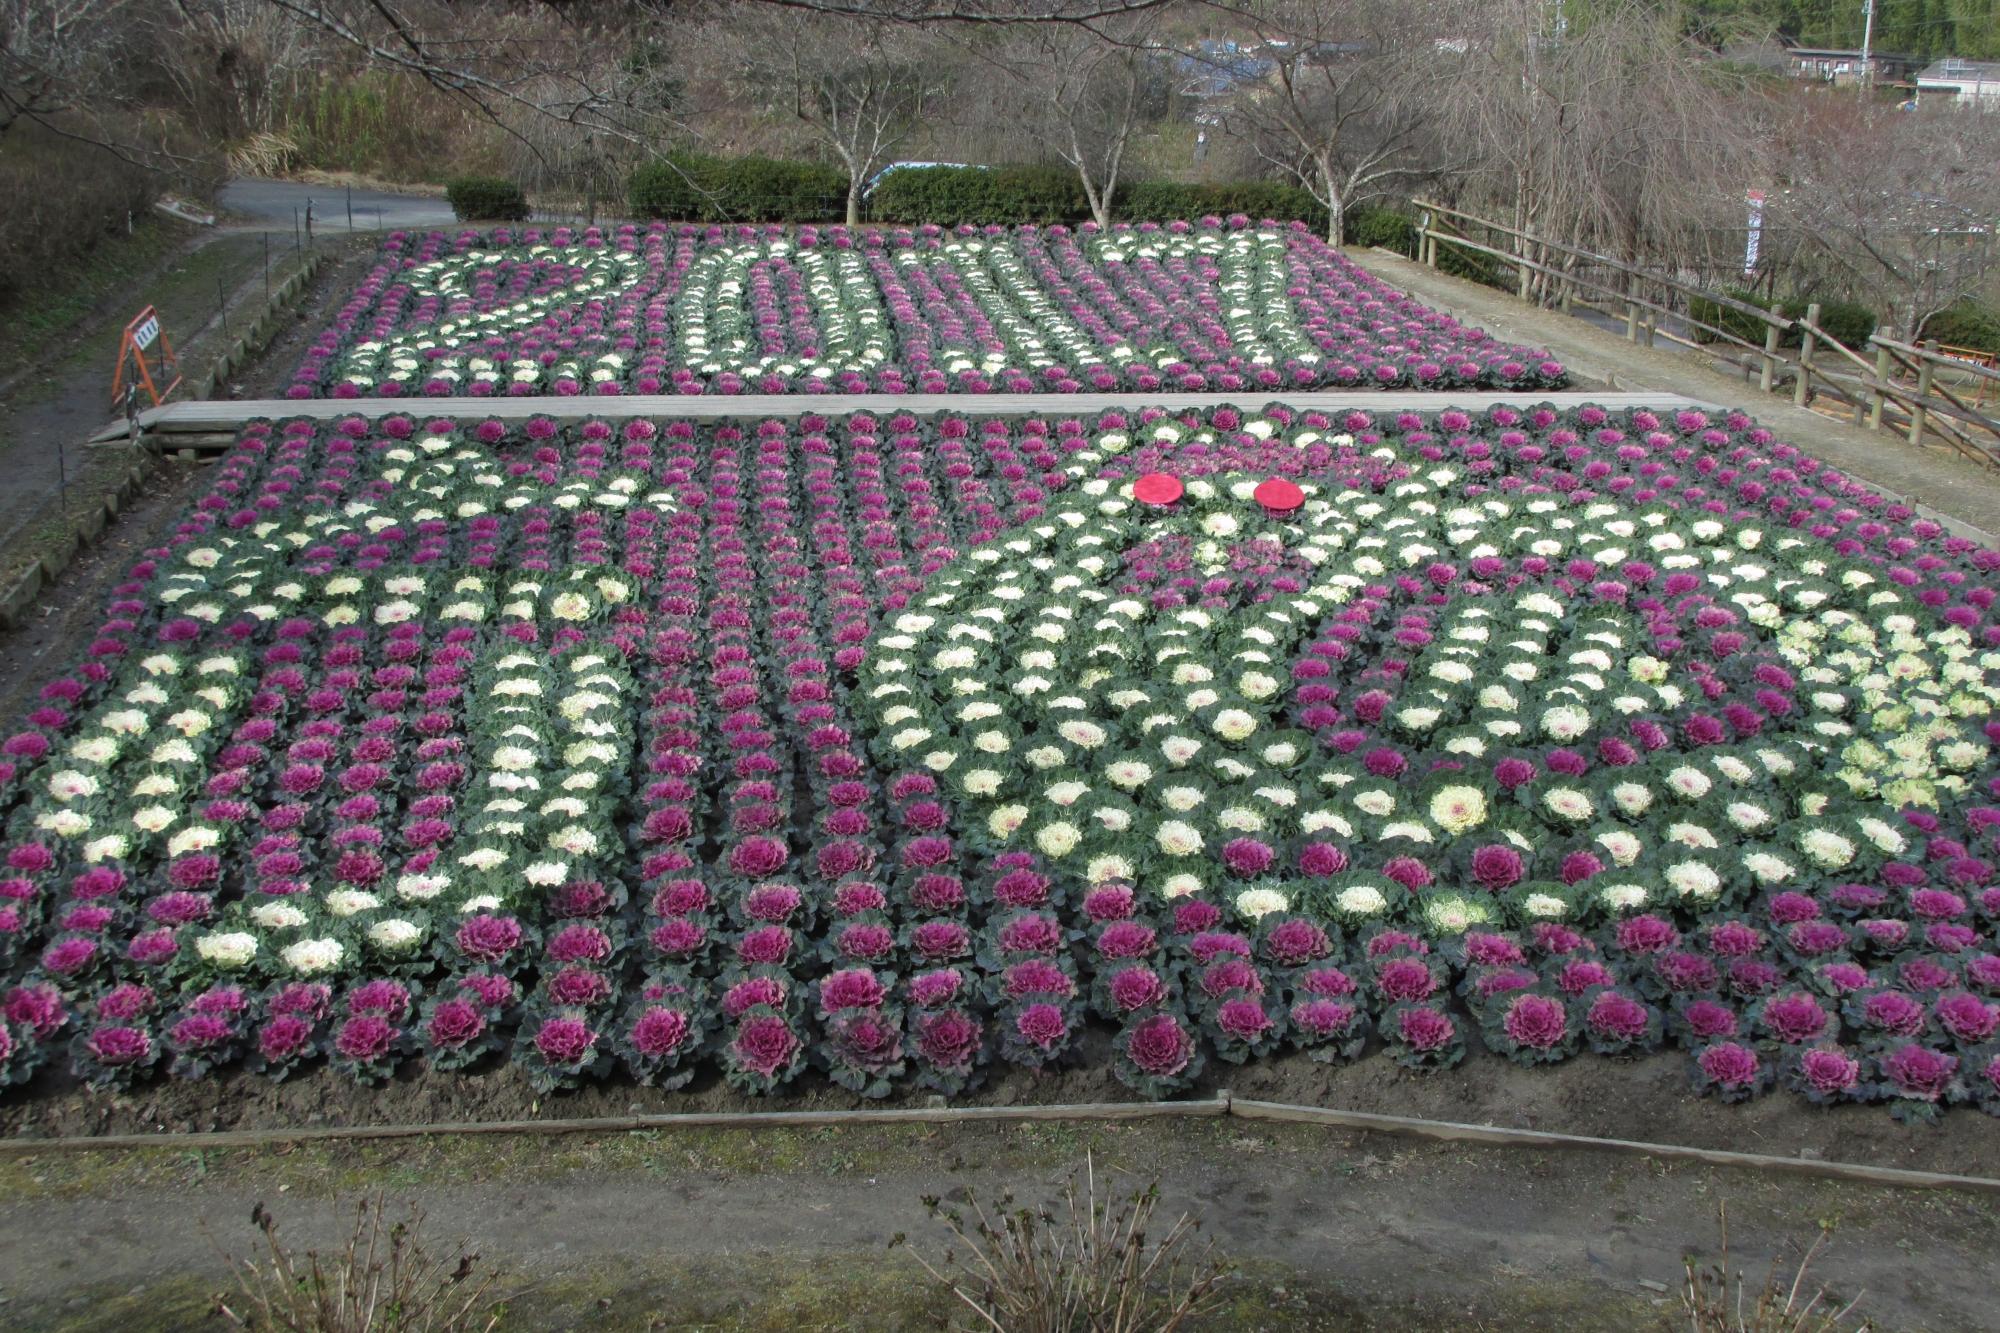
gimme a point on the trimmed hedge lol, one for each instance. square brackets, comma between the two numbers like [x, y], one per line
[486, 199]
[1971, 324]
[1849, 322]
[1747, 327]
[983, 196]
[1383, 227]
[1164, 201]
[986, 196]
[694, 187]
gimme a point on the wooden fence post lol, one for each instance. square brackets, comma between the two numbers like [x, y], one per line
[1768, 364]
[1802, 391]
[1917, 413]
[1881, 394]
[1631, 311]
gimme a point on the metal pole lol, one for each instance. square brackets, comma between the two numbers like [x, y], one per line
[1867, 44]
[267, 267]
[350, 208]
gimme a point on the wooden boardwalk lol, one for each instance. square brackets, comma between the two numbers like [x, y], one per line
[224, 416]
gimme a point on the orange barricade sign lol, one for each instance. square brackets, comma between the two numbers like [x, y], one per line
[159, 373]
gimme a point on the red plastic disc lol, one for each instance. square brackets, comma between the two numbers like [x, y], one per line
[1278, 496]
[1157, 488]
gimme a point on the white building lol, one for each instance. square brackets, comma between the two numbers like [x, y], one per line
[1973, 83]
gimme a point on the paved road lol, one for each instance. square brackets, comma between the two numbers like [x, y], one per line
[274, 205]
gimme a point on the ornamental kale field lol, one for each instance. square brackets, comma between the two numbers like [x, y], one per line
[1215, 305]
[906, 750]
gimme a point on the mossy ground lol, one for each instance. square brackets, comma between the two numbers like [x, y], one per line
[782, 1294]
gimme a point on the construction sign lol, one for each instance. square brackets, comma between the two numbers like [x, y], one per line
[146, 361]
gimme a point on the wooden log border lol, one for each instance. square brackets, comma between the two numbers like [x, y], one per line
[1223, 1105]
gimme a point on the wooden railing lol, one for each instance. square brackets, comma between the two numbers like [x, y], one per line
[1900, 389]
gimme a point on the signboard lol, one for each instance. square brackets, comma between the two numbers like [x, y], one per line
[158, 374]
[1753, 237]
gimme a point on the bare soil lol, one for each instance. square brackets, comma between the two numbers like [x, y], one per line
[791, 1229]
[1647, 1100]
[65, 617]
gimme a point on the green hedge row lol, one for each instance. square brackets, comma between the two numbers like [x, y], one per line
[1163, 201]
[1849, 321]
[952, 196]
[1971, 324]
[694, 187]
[700, 188]
[486, 199]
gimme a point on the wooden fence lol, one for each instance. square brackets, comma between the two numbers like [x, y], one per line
[1915, 390]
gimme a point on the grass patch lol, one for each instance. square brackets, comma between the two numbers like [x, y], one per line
[186, 291]
[780, 1293]
[328, 1169]
[62, 300]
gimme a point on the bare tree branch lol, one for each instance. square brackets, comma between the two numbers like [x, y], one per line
[1341, 96]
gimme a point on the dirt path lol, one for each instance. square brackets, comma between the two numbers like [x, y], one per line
[206, 294]
[1936, 477]
[1397, 1233]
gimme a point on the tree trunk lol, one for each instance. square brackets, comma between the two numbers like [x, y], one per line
[854, 184]
[1336, 209]
[1098, 199]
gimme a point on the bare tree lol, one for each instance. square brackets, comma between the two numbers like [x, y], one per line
[1081, 92]
[856, 86]
[1898, 207]
[55, 56]
[1346, 99]
[64, 68]
[1610, 131]
[554, 70]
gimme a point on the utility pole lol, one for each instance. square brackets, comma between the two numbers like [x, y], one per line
[1867, 44]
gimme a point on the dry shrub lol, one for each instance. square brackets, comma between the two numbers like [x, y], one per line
[384, 1280]
[264, 154]
[1718, 1298]
[63, 197]
[1084, 1265]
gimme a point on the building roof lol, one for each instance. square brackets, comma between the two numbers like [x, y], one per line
[1953, 69]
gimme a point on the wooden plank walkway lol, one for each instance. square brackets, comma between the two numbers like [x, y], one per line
[226, 415]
